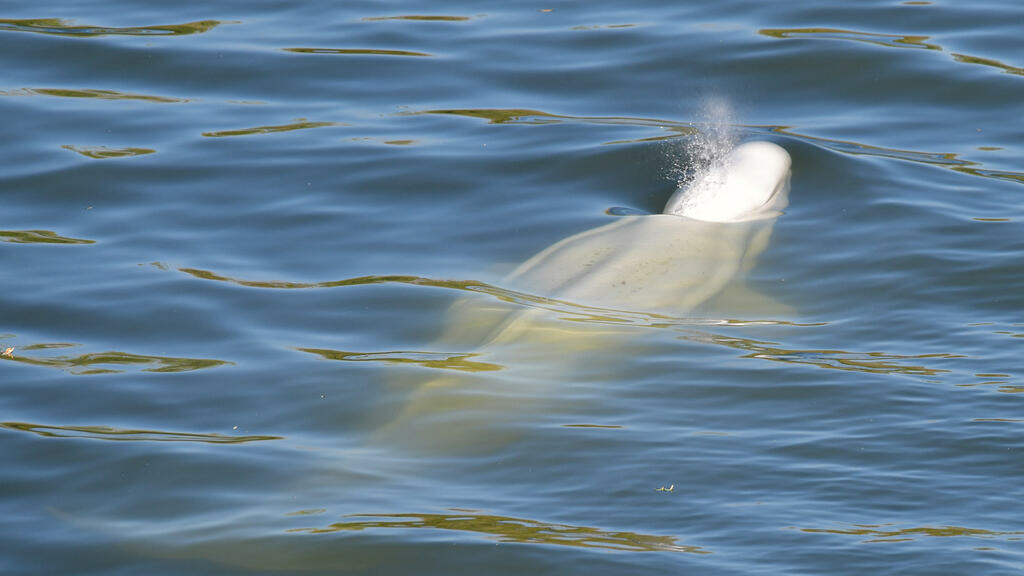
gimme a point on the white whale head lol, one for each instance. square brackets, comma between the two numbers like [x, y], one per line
[751, 183]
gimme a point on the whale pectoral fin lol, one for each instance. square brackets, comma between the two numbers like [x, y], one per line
[478, 318]
[740, 300]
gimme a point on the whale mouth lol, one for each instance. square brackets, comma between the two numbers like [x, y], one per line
[752, 183]
[779, 198]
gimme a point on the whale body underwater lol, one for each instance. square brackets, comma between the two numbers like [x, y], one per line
[673, 261]
[579, 293]
[708, 235]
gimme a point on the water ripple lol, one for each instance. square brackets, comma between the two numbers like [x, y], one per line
[929, 365]
[63, 27]
[570, 310]
[869, 362]
[883, 532]
[102, 362]
[356, 51]
[527, 116]
[507, 529]
[886, 40]
[441, 360]
[91, 93]
[966, 59]
[129, 435]
[873, 362]
[948, 160]
[419, 18]
[300, 124]
[537, 117]
[889, 40]
[39, 237]
[105, 152]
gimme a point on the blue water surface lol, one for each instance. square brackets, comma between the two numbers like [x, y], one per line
[254, 254]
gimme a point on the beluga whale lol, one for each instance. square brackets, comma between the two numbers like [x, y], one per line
[568, 309]
[708, 235]
[672, 262]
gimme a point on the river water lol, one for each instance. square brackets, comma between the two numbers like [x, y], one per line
[251, 250]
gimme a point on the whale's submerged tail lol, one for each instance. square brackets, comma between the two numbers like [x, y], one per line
[752, 183]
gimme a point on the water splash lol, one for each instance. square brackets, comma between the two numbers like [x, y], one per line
[715, 136]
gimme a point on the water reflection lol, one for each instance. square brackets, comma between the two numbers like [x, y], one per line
[600, 27]
[569, 311]
[105, 362]
[1013, 420]
[988, 62]
[508, 529]
[890, 40]
[91, 93]
[947, 160]
[693, 329]
[421, 18]
[39, 237]
[129, 435]
[887, 40]
[873, 362]
[869, 362]
[440, 360]
[883, 532]
[500, 115]
[527, 116]
[104, 152]
[300, 124]
[1015, 177]
[62, 27]
[356, 51]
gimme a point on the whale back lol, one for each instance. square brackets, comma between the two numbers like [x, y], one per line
[711, 231]
[751, 183]
[653, 263]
